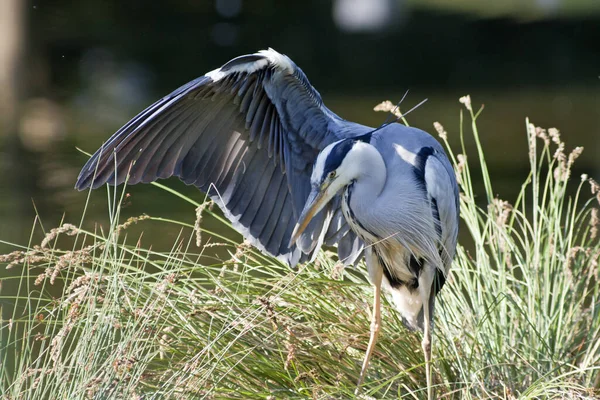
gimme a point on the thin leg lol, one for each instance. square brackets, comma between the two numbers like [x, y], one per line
[428, 299]
[426, 344]
[376, 277]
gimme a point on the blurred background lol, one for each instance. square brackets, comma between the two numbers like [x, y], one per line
[72, 72]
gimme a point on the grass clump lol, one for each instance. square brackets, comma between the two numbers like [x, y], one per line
[110, 318]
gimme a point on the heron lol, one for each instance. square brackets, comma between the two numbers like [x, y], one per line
[292, 176]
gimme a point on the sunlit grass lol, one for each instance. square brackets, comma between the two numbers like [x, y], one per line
[99, 316]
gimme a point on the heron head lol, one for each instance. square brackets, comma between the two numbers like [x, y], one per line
[333, 170]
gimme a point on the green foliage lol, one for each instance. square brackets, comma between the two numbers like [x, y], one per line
[518, 317]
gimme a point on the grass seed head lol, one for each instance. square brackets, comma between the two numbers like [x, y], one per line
[388, 106]
[440, 130]
[466, 100]
[67, 229]
[198, 224]
[460, 167]
[594, 222]
[130, 221]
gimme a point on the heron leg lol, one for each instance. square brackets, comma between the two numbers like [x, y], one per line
[376, 276]
[426, 344]
[428, 298]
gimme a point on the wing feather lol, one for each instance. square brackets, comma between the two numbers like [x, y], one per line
[248, 135]
[443, 190]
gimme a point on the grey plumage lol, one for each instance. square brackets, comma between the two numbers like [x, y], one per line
[400, 196]
[291, 175]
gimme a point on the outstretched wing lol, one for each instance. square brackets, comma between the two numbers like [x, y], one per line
[247, 134]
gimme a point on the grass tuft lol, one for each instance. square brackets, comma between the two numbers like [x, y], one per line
[108, 318]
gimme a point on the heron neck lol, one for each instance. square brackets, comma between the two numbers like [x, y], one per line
[371, 173]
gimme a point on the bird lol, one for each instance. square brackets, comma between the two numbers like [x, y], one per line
[292, 176]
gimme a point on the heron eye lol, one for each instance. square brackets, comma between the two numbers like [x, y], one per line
[331, 175]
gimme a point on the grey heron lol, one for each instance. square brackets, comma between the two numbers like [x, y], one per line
[292, 176]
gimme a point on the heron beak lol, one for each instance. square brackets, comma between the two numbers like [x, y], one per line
[315, 202]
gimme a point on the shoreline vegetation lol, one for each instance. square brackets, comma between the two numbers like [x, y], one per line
[99, 316]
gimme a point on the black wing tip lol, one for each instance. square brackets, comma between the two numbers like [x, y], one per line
[91, 176]
[86, 181]
[92, 180]
[80, 186]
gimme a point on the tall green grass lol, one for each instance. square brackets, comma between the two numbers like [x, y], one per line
[98, 316]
